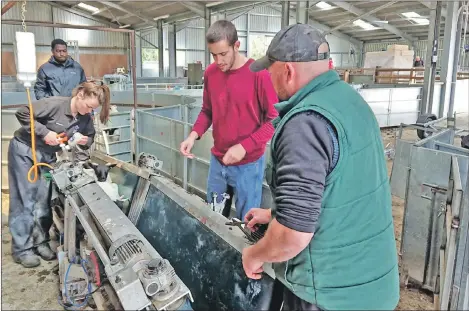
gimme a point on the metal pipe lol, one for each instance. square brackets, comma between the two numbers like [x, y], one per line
[8, 6]
[57, 25]
[430, 59]
[186, 133]
[454, 77]
[93, 238]
[436, 36]
[134, 81]
[450, 262]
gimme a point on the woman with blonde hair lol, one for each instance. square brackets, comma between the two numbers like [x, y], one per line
[30, 214]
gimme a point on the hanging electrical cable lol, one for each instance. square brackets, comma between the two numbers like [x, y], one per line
[26, 73]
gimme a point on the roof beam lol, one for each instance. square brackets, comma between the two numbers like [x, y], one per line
[83, 14]
[428, 4]
[197, 8]
[149, 9]
[372, 19]
[369, 13]
[323, 27]
[120, 8]
[8, 6]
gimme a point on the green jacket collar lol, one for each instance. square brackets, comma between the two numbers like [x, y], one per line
[317, 83]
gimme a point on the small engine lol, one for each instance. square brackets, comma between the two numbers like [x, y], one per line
[139, 277]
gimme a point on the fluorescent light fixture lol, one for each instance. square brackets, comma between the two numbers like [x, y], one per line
[161, 17]
[323, 5]
[364, 25]
[124, 26]
[208, 5]
[88, 7]
[416, 18]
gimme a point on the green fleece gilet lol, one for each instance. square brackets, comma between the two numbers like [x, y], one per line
[351, 261]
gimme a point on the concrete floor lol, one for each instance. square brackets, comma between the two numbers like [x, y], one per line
[26, 289]
[37, 289]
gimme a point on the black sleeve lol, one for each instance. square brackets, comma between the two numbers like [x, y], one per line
[90, 132]
[43, 111]
[40, 87]
[304, 158]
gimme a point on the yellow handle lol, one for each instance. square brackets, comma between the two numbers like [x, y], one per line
[34, 168]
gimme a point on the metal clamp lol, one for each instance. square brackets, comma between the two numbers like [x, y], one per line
[218, 207]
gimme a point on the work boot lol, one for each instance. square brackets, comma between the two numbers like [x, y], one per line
[28, 259]
[45, 252]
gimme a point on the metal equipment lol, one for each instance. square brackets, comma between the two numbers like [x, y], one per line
[139, 277]
[432, 176]
[116, 82]
[219, 206]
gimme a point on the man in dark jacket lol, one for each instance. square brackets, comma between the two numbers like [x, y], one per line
[60, 75]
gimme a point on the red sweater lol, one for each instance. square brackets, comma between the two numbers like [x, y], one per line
[240, 105]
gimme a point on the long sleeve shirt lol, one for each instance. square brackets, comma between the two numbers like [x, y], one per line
[58, 79]
[52, 114]
[239, 104]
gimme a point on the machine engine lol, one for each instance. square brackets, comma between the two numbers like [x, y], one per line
[104, 248]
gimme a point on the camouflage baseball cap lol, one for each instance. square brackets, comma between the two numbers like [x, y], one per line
[294, 43]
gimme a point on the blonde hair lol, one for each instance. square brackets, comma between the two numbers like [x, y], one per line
[101, 92]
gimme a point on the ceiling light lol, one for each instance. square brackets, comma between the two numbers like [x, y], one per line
[124, 26]
[416, 18]
[88, 7]
[323, 5]
[161, 17]
[364, 25]
[411, 14]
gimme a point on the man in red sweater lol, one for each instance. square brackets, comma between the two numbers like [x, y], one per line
[240, 105]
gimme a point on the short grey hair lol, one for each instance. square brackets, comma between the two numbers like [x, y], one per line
[222, 30]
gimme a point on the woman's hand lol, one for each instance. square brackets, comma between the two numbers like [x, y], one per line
[51, 139]
[83, 140]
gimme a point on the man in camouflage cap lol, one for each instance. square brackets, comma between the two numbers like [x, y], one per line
[331, 236]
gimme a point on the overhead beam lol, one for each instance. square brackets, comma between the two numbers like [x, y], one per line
[83, 14]
[151, 8]
[387, 4]
[372, 19]
[120, 8]
[428, 4]
[194, 7]
[323, 27]
[8, 6]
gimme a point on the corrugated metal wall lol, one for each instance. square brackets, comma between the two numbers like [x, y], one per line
[89, 41]
[190, 41]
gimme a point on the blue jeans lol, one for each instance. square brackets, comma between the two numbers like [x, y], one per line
[245, 179]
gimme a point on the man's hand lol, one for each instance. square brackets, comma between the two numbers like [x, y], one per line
[235, 154]
[51, 139]
[83, 140]
[257, 216]
[186, 146]
[252, 267]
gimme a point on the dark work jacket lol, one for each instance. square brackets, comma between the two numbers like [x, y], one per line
[58, 79]
[53, 114]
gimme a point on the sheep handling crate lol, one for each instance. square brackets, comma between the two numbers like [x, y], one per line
[431, 176]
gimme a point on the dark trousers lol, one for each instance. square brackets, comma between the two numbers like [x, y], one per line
[30, 214]
[284, 300]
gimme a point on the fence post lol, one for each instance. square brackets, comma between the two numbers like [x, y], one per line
[185, 118]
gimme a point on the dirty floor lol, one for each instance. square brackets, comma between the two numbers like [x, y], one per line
[25, 289]
[37, 289]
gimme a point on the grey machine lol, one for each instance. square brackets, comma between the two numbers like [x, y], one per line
[104, 250]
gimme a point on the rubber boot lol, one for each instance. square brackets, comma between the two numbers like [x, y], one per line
[28, 259]
[45, 252]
